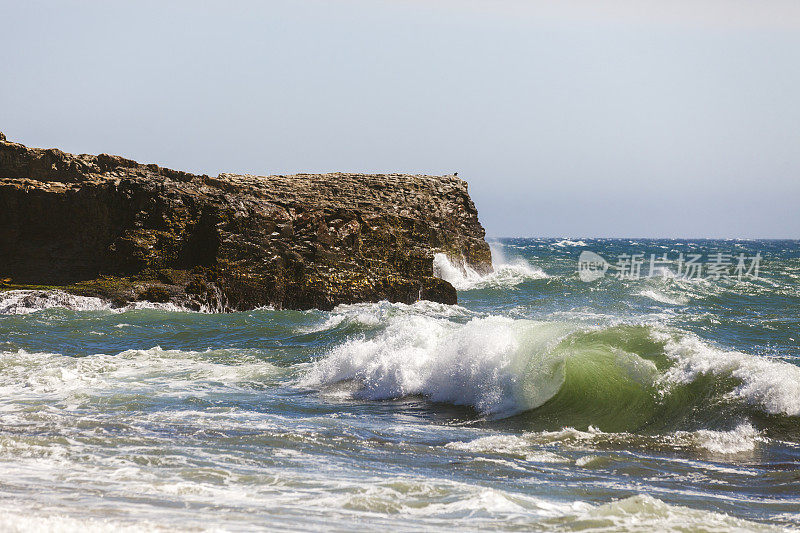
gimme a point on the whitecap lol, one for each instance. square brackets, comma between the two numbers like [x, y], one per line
[567, 242]
[370, 315]
[663, 298]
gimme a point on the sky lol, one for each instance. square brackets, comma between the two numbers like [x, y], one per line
[571, 118]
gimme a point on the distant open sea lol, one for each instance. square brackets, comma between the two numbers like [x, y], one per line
[628, 403]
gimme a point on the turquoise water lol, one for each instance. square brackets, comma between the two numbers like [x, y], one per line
[539, 402]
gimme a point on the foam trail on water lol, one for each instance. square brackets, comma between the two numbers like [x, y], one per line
[528, 445]
[35, 375]
[505, 274]
[15, 521]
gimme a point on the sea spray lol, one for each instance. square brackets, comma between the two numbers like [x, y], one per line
[479, 364]
[506, 273]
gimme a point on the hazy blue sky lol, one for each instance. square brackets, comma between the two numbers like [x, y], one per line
[571, 118]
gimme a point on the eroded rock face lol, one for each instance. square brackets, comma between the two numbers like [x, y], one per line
[110, 227]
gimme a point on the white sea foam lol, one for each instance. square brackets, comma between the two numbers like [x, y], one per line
[163, 306]
[529, 443]
[403, 504]
[741, 439]
[370, 313]
[28, 301]
[506, 273]
[480, 502]
[14, 521]
[483, 507]
[374, 314]
[168, 372]
[533, 446]
[772, 384]
[21, 302]
[494, 364]
[132, 467]
[508, 445]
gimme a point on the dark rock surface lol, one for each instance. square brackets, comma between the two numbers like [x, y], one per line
[110, 227]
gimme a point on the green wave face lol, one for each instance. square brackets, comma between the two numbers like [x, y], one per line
[609, 381]
[624, 379]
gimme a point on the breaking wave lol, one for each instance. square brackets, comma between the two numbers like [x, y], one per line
[619, 378]
[771, 384]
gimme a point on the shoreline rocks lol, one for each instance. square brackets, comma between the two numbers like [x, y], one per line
[109, 227]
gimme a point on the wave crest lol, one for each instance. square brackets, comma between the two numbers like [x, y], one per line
[772, 384]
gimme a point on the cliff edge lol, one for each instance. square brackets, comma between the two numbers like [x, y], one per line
[110, 227]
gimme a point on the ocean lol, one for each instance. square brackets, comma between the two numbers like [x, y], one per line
[645, 399]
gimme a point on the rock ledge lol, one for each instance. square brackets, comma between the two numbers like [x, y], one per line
[109, 227]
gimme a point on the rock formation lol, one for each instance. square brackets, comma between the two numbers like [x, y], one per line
[110, 227]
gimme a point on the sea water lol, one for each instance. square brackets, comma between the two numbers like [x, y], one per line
[636, 403]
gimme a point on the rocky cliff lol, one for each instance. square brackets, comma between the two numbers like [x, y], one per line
[110, 227]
